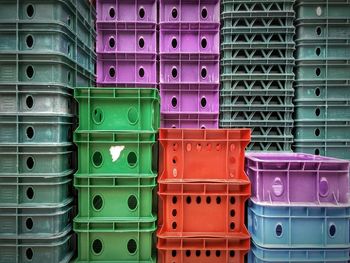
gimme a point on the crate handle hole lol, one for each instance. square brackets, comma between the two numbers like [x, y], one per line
[207, 253]
[29, 102]
[218, 200]
[112, 12]
[218, 253]
[232, 253]
[112, 72]
[29, 223]
[173, 253]
[174, 42]
[317, 92]
[174, 160]
[29, 253]
[204, 72]
[30, 11]
[132, 246]
[141, 72]
[208, 200]
[97, 202]
[97, 159]
[30, 132]
[188, 199]
[174, 200]
[142, 12]
[232, 226]
[174, 72]
[97, 246]
[324, 188]
[317, 152]
[198, 253]
[30, 193]
[132, 159]
[279, 230]
[132, 202]
[30, 72]
[203, 102]
[133, 115]
[204, 42]
[141, 42]
[317, 132]
[188, 253]
[111, 42]
[174, 102]
[232, 213]
[232, 200]
[174, 225]
[97, 115]
[30, 163]
[174, 12]
[317, 112]
[204, 13]
[318, 51]
[174, 212]
[198, 199]
[203, 127]
[29, 41]
[318, 31]
[332, 230]
[318, 72]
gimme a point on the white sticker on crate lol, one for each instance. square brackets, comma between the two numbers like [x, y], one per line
[115, 152]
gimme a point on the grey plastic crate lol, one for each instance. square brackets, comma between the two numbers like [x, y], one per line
[34, 191]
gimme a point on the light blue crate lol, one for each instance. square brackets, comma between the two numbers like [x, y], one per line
[261, 255]
[299, 227]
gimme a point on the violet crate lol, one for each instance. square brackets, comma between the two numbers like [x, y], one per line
[201, 120]
[127, 70]
[189, 98]
[298, 179]
[189, 39]
[194, 11]
[126, 39]
[189, 71]
[142, 11]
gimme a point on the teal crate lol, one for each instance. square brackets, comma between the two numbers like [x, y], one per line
[34, 191]
[116, 154]
[257, 145]
[275, 119]
[328, 148]
[35, 130]
[323, 9]
[325, 69]
[228, 31]
[320, 50]
[34, 100]
[318, 109]
[112, 241]
[108, 197]
[258, 87]
[42, 69]
[256, 7]
[30, 223]
[56, 250]
[264, 72]
[264, 24]
[49, 160]
[323, 90]
[112, 109]
[315, 131]
[257, 57]
[262, 130]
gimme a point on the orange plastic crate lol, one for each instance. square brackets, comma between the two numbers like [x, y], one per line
[202, 250]
[202, 210]
[189, 155]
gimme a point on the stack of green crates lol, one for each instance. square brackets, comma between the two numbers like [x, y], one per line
[257, 65]
[322, 115]
[46, 49]
[117, 171]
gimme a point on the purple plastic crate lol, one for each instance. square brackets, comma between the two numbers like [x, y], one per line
[297, 179]
[189, 71]
[204, 11]
[201, 120]
[131, 70]
[189, 98]
[142, 11]
[189, 39]
[126, 39]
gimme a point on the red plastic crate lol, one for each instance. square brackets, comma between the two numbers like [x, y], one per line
[200, 250]
[202, 210]
[211, 155]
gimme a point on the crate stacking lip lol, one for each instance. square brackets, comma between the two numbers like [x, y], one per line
[254, 8]
[122, 154]
[324, 90]
[262, 255]
[183, 206]
[55, 250]
[97, 240]
[127, 109]
[34, 100]
[113, 197]
[202, 250]
[181, 120]
[299, 227]
[33, 160]
[24, 192]
[190, 154]
[276, 179]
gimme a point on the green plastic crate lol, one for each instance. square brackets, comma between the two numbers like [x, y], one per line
[49, 160]
[122, 198]
[35, 191]
[42, 69]
[329, 90]
[116, 154]
[328, 148]
[325, 69]
[118, 109]
[257, 7]
[323, 9]
[35, 129]
[112, 241]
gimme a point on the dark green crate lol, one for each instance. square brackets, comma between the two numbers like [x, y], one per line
[116, 241]
[138, 153]
[118, 109]
[115, 198]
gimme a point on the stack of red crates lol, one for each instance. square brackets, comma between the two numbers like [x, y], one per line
[202, 193]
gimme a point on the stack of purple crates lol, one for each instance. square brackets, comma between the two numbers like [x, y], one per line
[126, 43]
[189, 33]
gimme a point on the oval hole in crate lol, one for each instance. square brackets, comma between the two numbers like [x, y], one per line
[29, 253]
[174, 212]
[111, 12]
[132, 202]
[174, 200]
[97, 115]
[133, 115]
[317, 151]
[141, 42]
[318, 72]
[30, 193]
[30, 11]
[198, 253]
[29, 223]
[188, 253]
[232, 213]
[332, 230]
[317, 132]
[318, 11]
[30, 132]
[132, 246]
[29, 41]
[142, 13]
[204, 42]
[232, 253]
[29, 102]
[97, 246]
[207, 253]
[174, 102]
[174, 72]
[30, 72]
[218, 253]
[174, 42]
[132, 159]
[203, 102]
[173, 253]
[111, 42]
[174, 225]
[318, 51]
[317, 112]
[208, 200]
[204, 13]
[97, 159]
[97, 202]
[218, 200]
[198, 199]
[174, 13]
[111, 72]
[279, 230]
[203, 72]
[30, 163]
[317, 92]
[188, 200]
[141, 72]
[318, 31]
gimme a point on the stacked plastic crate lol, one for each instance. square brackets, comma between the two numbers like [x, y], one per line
[322, 119]
[257, 70]
[202, 193]
[189, 63]
[46, 49]
[126, 43]
[299, 210]
[116, 177]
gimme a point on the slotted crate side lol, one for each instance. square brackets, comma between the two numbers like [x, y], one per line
[336, 149]
[193, 121]
[202, 250]
[101, 197]
[255, 7]
[189, 154]
[183, 206]
[115, 241]
[111, 154]
[56, 250]
[299, 227]
[119, 109]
